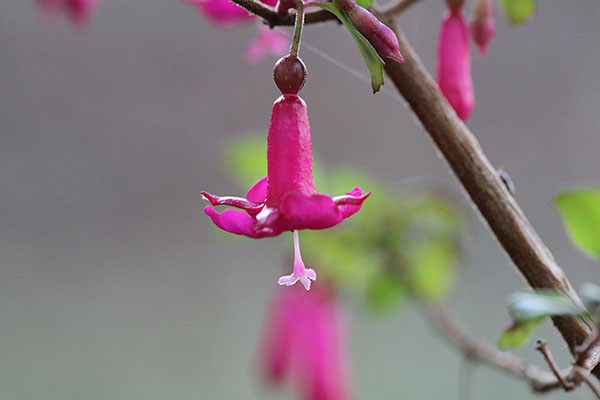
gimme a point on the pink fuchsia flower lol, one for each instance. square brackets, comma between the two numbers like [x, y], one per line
[222, 13]
[268, 41]
[454, 64]
[483, 25]
[286, 200]
[79, 11]
[305, 341]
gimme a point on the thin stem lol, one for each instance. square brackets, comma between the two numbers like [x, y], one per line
[542, 347]
[298, 28]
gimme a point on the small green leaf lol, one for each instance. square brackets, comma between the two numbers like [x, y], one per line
[590, 294]
[432, 269]
[384, 292]
[245, 160]
[373, 62]
[518, 11]
[528, 306]
[515, 335]
[580, 210]
[364, 3]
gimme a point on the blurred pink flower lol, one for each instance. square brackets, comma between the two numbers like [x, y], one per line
[305, 340]
[79, 11]
[454, 64]
[227, 15]
[286, 200]
[483, 25]
[269, 41]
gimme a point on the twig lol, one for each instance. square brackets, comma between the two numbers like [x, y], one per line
[542, 347]
[272, 18]
[590, 354]
[589, 379]
[481, 181]
[396, 8]
[540, 380]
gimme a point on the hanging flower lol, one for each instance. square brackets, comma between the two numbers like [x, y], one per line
[79, 11]
[286, 199]
[304, 340]
[483, 25]
[454, 63]
[227, 15]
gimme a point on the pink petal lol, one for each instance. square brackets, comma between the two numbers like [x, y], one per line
[289, 150]
[454, 64]
[222, 13]
[351, 202]
[258, 192]
[238, 202]
[483, 25]
[269, 41]
[237, 222]
[301, 211]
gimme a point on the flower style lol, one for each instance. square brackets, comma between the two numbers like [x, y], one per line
[286, 199]
[454, 63]
[483, 25]
[304, 339]
[227, 15]
[79, 11]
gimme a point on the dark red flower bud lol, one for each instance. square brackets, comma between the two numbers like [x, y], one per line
[289, 74]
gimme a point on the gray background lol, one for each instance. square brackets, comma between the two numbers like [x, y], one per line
[114, 285]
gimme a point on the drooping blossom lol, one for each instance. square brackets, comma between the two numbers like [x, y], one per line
[227, 15]
[305, 342]
[483, 25]
[286, 199]
[79, 11]
[454, 63]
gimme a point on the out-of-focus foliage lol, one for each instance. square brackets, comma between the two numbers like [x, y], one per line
[364, 3]
[395, 247]
[590, 293]
[580, 210]
[528, 309]
[518, 11]
[373, 62]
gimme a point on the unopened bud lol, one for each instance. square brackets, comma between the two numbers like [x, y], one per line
[344, 5]
[283, 6]
[382, 38]
[483, 25]
[289, 74]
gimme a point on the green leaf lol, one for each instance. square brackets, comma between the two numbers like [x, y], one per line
[373, 62]
[364, 3]
[515, 335]
[580, 210]
[432, 269]
[528, 306]
[246, 160]
[518, 11]
[385, 292]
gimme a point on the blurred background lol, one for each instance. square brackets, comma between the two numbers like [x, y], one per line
[115, 285]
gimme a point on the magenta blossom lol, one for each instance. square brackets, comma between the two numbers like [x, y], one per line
[227, 15]
[483, 26]
[286, 199]
[79, 11]
[454, 64]
[304, 340]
